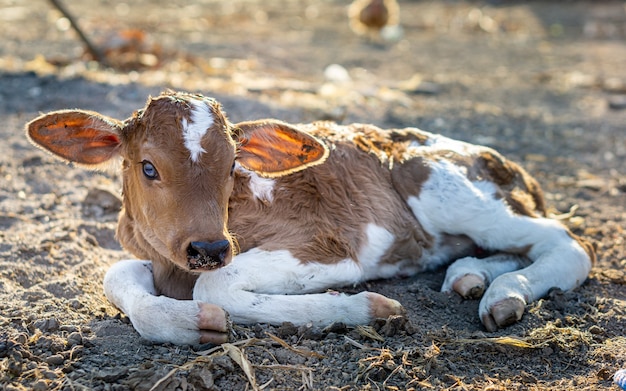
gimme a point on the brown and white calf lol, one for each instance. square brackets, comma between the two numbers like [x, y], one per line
[260, 218]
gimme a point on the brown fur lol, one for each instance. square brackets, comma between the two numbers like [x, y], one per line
[319, 213]
[153, 131]
[309, 216]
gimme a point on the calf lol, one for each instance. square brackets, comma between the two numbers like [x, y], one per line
[256, 219]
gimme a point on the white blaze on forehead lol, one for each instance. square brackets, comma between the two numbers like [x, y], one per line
[201, 119]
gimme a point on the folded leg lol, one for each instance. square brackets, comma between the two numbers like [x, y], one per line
[129, 285]
[469, 276]
[450, 203]
[273, 287]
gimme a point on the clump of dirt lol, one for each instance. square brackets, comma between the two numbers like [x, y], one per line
[540, 82]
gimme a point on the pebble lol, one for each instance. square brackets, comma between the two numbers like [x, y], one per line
[336, 73]
[596, 330]
[74, 339]
[55, 359]
[202, 379]
[40, 385]
[287, 329]
[50, 324]
[99, 202]
[617, 102]
[69, 328]
[110, 375]
[49, 374]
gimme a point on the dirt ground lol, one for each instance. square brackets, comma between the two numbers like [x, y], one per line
[544, 83]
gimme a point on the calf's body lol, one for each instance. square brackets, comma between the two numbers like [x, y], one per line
[261, 218]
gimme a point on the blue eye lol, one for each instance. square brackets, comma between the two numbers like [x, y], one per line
[149, 170]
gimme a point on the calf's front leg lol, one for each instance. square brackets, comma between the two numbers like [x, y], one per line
[129, 285]
[273, 287]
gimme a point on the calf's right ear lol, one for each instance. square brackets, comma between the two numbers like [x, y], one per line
[84, 137]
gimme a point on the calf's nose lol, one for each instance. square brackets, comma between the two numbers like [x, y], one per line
[207, 255]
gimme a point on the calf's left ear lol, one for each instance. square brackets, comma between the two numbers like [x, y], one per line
[272, 148]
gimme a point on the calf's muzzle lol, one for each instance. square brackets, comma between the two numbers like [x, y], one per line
[207, 255]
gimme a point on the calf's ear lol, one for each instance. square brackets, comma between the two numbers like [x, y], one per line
[272, 148]
[78, 136]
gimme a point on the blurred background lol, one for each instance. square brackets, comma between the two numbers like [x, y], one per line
[544, 82]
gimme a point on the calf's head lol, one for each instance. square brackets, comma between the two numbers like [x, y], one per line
[177, 157]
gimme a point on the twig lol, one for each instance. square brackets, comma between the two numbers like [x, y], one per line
[283, 367]
[369, 332]
[355, 343]
[245, 343]
[239, 357]
[302, 352]
[91, 48]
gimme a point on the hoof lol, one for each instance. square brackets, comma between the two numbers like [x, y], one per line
[384, 307]
[213, 324]
[503, 313]
[470, 286]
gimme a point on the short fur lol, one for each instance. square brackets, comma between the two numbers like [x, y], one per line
[308, 207]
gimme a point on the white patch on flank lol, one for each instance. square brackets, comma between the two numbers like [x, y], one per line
[378, 242]
[194, 130]
[261, 188]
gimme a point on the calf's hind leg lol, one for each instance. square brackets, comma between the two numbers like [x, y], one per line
[470, 276]
[450, 203]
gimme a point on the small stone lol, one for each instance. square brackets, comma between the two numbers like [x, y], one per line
[15, 368]
[617, 102]
[55, 359]
[74, 339]
[596, 330]
[49, 375]
[69, 328]
[111, 375]
[202, 379]
[336, 327]
[287, 329]
[336, 73]
[99, 202]
[40, 385]
[44, 325]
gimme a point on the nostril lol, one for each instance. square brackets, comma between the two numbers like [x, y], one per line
[207, 254]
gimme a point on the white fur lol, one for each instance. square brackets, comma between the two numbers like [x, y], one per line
[450, 203]
[438, 142]
[379, 240]
[487, 268]
[194, 130]
[130, 286]
[261, 188]
[275, 287]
